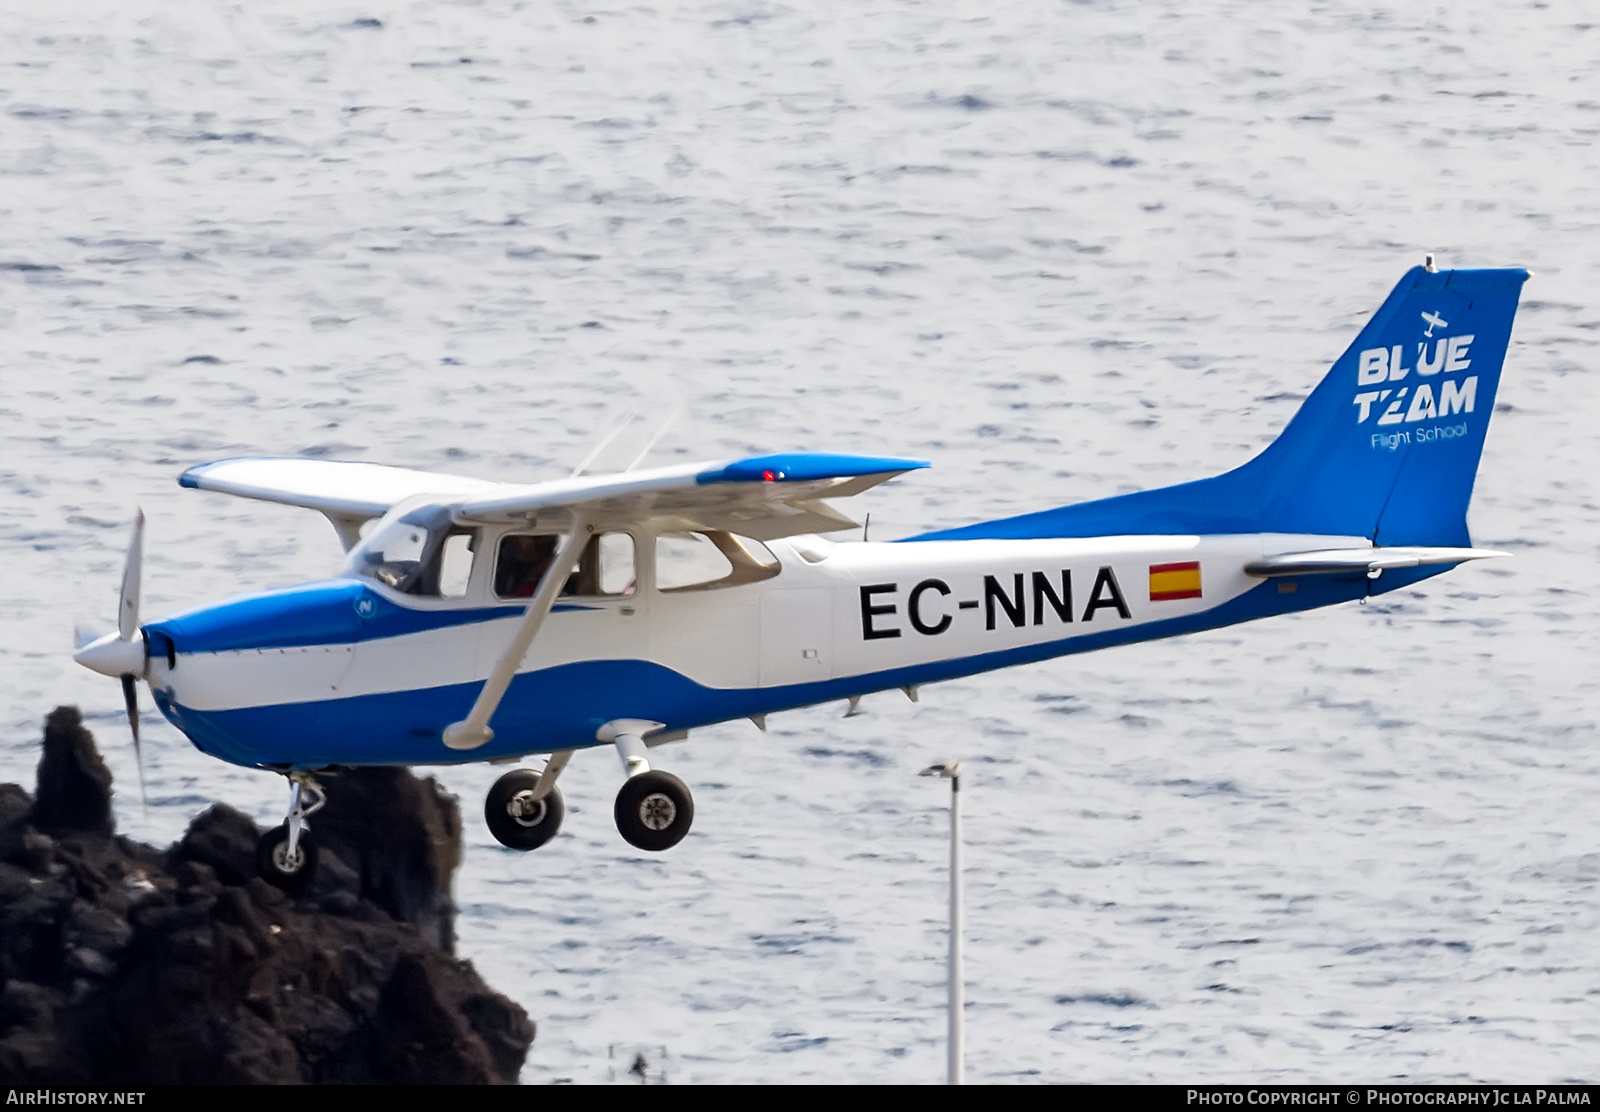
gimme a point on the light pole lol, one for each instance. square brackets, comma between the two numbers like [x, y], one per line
[951, 770]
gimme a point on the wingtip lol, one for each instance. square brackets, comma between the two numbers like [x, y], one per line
[807, 467]
[191, 477]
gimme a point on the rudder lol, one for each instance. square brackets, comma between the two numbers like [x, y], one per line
[1387, 445]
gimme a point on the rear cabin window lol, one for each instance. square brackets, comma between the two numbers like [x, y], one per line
[711, 560]
[605, 568]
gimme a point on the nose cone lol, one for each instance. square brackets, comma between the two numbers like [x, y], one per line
[112, 656]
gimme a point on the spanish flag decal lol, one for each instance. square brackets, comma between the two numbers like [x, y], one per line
[1170, 581]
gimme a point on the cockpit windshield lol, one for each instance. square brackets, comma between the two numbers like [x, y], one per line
[407, 553]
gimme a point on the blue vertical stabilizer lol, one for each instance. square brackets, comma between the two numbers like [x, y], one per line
[1386, 446]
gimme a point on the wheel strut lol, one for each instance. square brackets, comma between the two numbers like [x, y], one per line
[306, 798]
[286, 855]
[628, 735]
[654, 809]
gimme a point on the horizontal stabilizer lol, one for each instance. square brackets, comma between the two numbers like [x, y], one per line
[1349, 561]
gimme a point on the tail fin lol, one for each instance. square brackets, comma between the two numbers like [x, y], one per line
[1386, 446]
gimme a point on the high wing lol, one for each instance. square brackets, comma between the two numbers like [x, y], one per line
[764, 497]
[349, 493]
[1371, 561]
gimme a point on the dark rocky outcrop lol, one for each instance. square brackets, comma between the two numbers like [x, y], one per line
[121, 964]
[74, 791]
[407, 872]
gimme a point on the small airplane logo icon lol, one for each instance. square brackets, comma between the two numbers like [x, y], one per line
[1434, 321]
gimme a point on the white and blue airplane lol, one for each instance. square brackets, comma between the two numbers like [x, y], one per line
[486, 621]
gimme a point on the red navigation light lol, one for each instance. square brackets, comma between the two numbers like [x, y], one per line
[768, 477]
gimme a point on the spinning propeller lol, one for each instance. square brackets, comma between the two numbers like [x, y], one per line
[125, 654]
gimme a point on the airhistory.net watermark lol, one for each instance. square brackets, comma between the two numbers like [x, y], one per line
[69, 1096]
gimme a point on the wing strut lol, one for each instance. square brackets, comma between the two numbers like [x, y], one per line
[473, 730]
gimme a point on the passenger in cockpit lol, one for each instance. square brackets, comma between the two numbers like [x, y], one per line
[522, 563]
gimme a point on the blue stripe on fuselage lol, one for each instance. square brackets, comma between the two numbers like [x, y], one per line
[335, 612]
[561, 707]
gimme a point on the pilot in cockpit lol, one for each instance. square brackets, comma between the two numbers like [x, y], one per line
[523, 561]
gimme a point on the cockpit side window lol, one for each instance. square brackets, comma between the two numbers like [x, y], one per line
[420, 554]
[456, 557]
[522, 562]
[606, 567]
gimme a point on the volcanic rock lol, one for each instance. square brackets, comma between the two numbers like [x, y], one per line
[407, 871]
[121, 964]
[74, 791]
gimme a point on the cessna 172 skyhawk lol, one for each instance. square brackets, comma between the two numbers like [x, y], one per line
[478, 620]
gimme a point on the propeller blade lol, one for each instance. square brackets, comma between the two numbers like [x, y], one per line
[128, 604]
[130, 699]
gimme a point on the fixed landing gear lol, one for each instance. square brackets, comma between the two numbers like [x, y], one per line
[518, 814]
[654, 809]
[286, 857]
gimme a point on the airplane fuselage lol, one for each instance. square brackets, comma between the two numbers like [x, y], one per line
[351, 671]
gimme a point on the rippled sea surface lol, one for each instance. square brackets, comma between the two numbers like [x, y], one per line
[1062, 249]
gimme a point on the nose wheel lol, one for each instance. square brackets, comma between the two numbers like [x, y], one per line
[286, 857]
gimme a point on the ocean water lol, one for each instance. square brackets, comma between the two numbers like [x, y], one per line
[1062, 249]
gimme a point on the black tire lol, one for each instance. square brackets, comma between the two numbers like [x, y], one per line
[271, 863]
[654, 811]
[514, 822]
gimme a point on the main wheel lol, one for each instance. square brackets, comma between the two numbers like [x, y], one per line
[275, 865]
[654, 811]
[515, 818]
